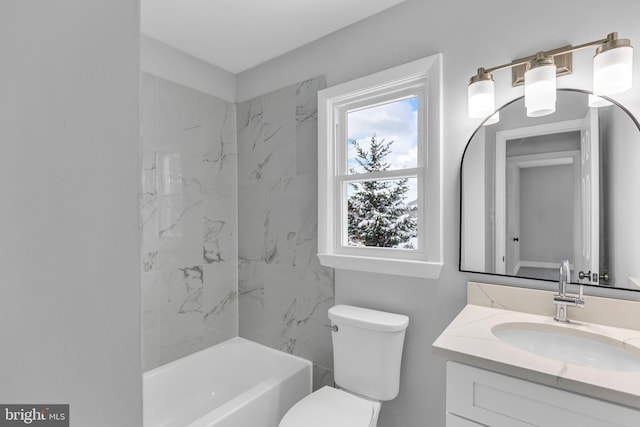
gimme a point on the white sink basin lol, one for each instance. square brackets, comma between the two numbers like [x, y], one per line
[570, 345]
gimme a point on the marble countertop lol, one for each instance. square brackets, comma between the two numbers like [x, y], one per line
[469, 339]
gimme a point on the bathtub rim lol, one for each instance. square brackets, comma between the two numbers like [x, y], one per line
[199, 353]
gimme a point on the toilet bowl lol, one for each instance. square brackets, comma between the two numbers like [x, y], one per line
[367, 352]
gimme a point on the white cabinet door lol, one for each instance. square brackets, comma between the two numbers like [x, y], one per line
[498, 400]
[456, 421]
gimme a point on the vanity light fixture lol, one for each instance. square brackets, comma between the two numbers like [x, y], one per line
[612, 71]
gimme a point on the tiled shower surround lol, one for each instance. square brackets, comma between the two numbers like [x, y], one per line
[231, 251]
[284, 292]
[189, 216]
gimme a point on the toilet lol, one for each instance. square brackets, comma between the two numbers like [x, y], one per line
[367, 352]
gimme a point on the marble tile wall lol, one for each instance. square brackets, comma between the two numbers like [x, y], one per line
[189, 215]
[284, 292]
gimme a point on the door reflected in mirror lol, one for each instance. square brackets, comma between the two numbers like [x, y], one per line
[539, 190]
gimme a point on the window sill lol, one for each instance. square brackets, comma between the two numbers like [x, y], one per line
[399, 267]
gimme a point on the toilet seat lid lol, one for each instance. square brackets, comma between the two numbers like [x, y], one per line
[330, 407]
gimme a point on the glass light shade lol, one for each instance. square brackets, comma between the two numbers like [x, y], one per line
[612, 71]
[597, 102]
[540, 90]
[481, 99]
[493, 119]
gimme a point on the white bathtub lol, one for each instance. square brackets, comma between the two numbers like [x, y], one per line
[237, 383]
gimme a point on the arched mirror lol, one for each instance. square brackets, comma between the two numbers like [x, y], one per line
[537, 190]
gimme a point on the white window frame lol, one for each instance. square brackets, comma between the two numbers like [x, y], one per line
[421, 78]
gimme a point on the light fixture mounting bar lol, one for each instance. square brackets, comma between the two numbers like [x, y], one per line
[561, 55]
[563, 61]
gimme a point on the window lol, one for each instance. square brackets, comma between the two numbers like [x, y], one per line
[379, 171]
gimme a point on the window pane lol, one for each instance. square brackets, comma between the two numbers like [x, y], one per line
[384, 137]
[383, 213]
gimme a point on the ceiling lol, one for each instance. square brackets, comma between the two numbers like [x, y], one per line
[236, 35]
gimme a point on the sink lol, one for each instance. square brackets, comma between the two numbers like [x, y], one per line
[569, 345]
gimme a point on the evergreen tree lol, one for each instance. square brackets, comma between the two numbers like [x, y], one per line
[377, 213]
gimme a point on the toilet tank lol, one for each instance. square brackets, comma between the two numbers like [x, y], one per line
[367, 350]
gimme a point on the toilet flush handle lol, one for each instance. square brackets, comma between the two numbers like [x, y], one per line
[334, 328]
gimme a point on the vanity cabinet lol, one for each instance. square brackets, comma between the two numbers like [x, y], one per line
[477, 397]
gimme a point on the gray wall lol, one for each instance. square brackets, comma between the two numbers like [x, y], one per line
[284, 292]
[172, 64]
[189, 214]
[469, 35]
[620, 198]
[70, 168]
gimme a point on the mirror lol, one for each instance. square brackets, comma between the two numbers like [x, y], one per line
[536, 190]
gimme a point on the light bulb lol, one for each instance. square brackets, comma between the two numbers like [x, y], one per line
[481, 92]
[613, 67]
[597, 102]
[540, 87]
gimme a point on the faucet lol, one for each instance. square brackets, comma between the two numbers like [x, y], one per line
[561, 299]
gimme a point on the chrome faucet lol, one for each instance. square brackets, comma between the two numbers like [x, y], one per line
[561, 299]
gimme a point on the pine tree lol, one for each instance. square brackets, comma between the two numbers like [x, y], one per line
[377, 213]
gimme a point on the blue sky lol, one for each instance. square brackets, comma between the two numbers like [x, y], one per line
[395, 121]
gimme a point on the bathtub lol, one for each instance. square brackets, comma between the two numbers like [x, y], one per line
[237, 383]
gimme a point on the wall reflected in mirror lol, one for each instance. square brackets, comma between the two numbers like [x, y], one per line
[539, 190]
